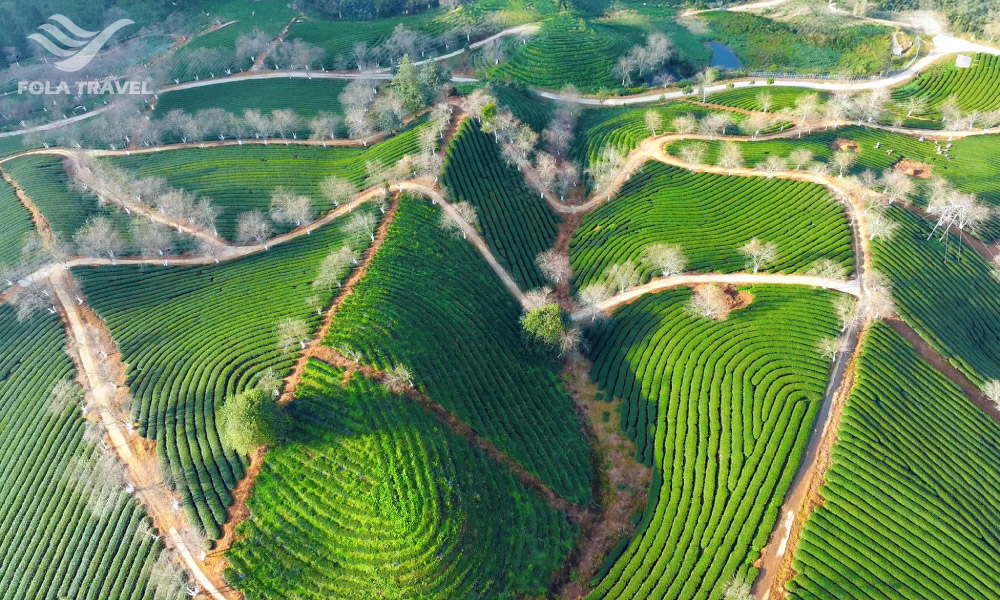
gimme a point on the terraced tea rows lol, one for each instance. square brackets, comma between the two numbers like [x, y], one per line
[711, 216]
[372, 497]
[781, 98]
[722, 412]
[304, 96]
[517, 223]
[241, 178]
[61, 535]
[567, 50]
[946, 293]
[17, 223]
[191, 336]
[45, 181]
[428, 302]
[974, 88]
[911, 501]
[974, 168]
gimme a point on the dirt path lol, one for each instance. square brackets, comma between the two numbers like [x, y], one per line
[852, 287]
[41, 224]
[258, 63]
[975, 243]
[775, 563]
[426, 188]
[136, 454]
[459, 427]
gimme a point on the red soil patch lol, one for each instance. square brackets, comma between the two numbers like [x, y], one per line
[913, 169]
[845, 144]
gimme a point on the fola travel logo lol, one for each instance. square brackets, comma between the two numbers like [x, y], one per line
[75, 45]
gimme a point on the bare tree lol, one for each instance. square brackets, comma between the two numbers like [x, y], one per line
[730, 156]
[252, 227]
[765, 101]
[335, 267]
[806, 108]
[152, 238]
[65, 396]
[464, 213]
[554, 266]
[897, 186]
[714, 124]
[876, 299]
[546, 170]
[684, 124]
[292, 332]
[591, 297]
[566, 178]
[98, 237]
[494, 52]
[704, 80]
[284, 121]
[693, 153]
[31, 299]
[570, 341]
[166, 577]
[666, 259]
[288, 207]
[324, 126]
[992, 390]
[607, 170]
[773, 164]
[828, 269]
[800, 157]
[398, 379]
[710, 302]
[261, 124]
[754, 124]
[337, 190]
[622, 276]
[759, 254]
[249, 45]
[844, 160]
[844, 307]
[362, 224]
[654, 121]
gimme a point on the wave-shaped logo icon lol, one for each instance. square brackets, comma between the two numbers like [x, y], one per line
[76, 46]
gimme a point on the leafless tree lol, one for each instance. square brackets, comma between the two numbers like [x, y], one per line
[654, 121]
[259, 123]
[897, 186]
[666, 259]
[546, 170]
[249, 45]
[607, 170]
[693, 153]
[844, 160]
[714, 124]
[622, 276]
[773, 164]
[800, 157]
[570, 341]
[398, 379]
[754, 124]
[324, 126]
[765, 101]
[710, 302]
[284, 121]
[914, 104]
[554, 266]
[166, 577]
[335, 267]
[292, 332]
[403, 42]
[992, 390]
[297, 54]
[464, 213]
[359, 124]
[730, 156]
[828, 269]
[337, 190]
[876, 299]
[289, 207]
[362, 224]
[685, 124]
[806, 108]
[152, 238]
[203, 215]
[494, 52]
[759, 254]
[67, 395]
[537, 298]
[98, 237]
[591, 297]
[566, 178]
[559, 132]
[252, 227]
[704, 80]
[476, 102]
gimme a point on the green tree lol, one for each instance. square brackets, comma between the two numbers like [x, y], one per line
[250, 419]
[407, 87]
[544, 323]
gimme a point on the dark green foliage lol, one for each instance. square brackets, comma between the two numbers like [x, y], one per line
[516, 222]
[722, 412]
[910, 503]
[372, 497]
[430, 303]
[193, 336]
[711, 216]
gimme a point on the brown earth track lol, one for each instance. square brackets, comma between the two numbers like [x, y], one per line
[41, 224]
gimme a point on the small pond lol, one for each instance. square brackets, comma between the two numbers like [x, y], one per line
[723, 57]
